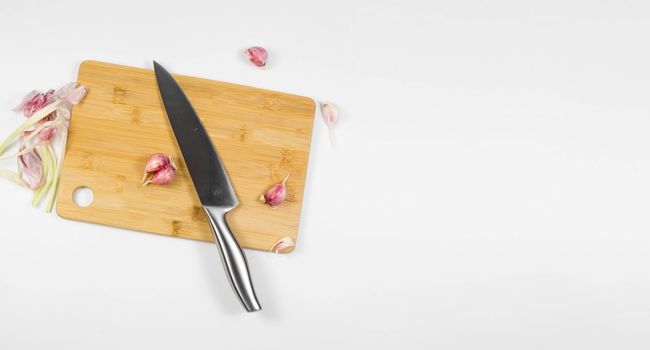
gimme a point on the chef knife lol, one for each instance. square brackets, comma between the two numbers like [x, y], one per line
[210, 181]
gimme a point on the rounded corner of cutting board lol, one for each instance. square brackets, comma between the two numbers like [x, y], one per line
[87, 63]
[289, 250]
[312, 103]
[63, 209]
[60, 212]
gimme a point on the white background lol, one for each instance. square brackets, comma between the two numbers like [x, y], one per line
[490, 188]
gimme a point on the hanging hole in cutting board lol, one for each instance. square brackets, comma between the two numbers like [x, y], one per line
[83, 196]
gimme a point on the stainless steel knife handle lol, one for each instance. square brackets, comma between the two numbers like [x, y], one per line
[234, 260]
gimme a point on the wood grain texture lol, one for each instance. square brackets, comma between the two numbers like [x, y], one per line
[260, 135]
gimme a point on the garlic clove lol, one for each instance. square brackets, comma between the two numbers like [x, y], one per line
[276, 194]
[282, 244]
[257, 55]
[163, 176]
[159, 170]
[156, 162]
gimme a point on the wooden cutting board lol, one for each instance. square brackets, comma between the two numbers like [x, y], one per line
[260, 135]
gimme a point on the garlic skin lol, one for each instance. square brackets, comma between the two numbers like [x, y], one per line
[331, 116]
[257, 55]
[46, 134]
[30, 169]
[10, 175]
[282, 244]
[330, 113]
[71, 94]
[34, 101]
[159, 170]
[275, 195]
[48, 115]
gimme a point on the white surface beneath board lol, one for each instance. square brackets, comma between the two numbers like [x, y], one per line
[497, 156]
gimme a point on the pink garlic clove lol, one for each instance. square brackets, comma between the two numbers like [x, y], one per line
[282, 244]
[159, 170]
[257, 55]
[156, 162]
[163, 176]
[30, 169]
[276, 194]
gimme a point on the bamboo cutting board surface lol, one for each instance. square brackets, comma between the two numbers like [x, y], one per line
[260, 136]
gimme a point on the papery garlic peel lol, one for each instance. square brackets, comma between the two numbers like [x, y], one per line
[257, 55]
[30, 169]
[276, 194]
[48, 114]
[282, 244]
[34, 101]
[330, 115]
[159, 170]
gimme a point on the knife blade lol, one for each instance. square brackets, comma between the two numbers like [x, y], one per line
[210, 180]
